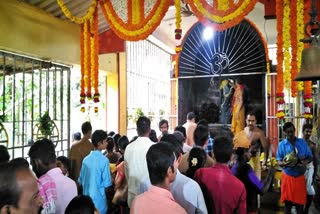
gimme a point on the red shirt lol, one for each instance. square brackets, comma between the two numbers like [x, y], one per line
[227, 192]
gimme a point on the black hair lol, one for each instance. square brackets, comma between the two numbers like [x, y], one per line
[181, 129]
[111, 133]
[288, 125]
[76, 136]
[307, 126]
[66, 162]
[81, 204]
[203, 122]
[115, 141]
[153, 136]
[9, 189]
[123, 142]
[163, 121]
[191, 116]
[196, 160]
[43, 150]
[86, 127]
[4, 154]
[222, 149]
[201, 135]
[252, 113]
[172, 141]
[110, 145]
[159, 158]
[98, 136]
[20, 162]
[143, 125]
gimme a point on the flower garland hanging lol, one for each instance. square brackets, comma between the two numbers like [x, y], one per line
[286, 43]
[300, 35]
[222, 14]
[280, 105]
[95, 58]
[88, 56]
[307, 84]
[135, 30]
[178, 35]
[279, 91]
[307, 100]
[265, 45]
[78, 20]
[82, 85]
[294, 48]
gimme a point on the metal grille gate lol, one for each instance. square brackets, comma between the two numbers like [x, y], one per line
[28, 88]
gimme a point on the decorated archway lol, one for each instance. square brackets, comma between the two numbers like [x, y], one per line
[206, 64]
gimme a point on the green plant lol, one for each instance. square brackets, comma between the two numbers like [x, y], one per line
[139, 113]
[46, 125]
[161, 113]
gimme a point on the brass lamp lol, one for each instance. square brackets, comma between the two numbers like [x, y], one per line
[310, 59]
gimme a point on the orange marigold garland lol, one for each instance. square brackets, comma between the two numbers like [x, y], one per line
[178, 35]
[222, 14]
[82, 85]
[307, 84]
[95, 56]
[307, 100]
[88, 55]
[279, 92]
[135, 31]
[300, 35]
[294, 42]
[286, 43]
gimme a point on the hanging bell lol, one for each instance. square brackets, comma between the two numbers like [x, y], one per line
[310, 62]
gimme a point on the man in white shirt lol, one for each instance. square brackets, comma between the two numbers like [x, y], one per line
[136, 169]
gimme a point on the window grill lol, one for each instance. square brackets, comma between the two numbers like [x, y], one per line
[30, 87]
[148, 81]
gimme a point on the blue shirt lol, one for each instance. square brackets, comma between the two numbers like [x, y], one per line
[188, 194]
[95, 177]
[303, 152]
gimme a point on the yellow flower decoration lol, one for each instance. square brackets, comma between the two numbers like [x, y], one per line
[286, 43]
[194, 161]
[300, 35]
[78, 20]
[223, 13]
[135, 31]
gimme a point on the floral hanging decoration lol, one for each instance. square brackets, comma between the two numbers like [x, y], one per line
[141, 20]
[89, 47]
[221, 14]
[280, 86]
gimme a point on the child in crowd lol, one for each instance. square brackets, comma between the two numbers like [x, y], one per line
[111, 154]
[64, 164]
[95, 176]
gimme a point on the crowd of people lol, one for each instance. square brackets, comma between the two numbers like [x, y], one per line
[187, 171]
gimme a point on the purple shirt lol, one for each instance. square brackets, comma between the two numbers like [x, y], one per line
[66, 189]
[227, 192]
[251, 175]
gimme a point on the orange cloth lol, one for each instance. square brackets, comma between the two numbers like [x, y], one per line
[241, 140]
[293, 189]
[238, 111]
